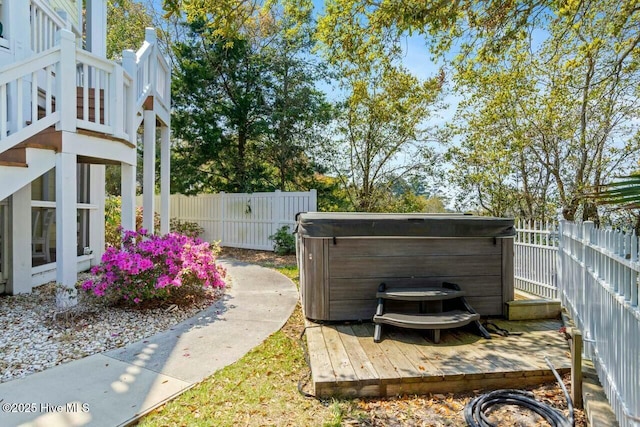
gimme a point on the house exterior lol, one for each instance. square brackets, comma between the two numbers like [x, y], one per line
[66, 112]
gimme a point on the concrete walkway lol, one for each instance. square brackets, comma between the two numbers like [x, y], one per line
[115, 387]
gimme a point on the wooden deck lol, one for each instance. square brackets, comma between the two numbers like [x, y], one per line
[346, 362]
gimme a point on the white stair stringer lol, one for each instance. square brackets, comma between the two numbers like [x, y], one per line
[14, 178]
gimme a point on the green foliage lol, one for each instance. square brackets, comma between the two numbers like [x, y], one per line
[188, 228]
[561, 120]
[624, 192]
[126, 23]
[551, 102]
[245, 104]
[113, 233]
[113, 221]
[284, 242]
[332, 196]
[381, 136]
[112, 216]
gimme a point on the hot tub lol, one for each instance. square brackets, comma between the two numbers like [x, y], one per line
[343, 258]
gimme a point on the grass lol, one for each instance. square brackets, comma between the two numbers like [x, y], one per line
[259, 389]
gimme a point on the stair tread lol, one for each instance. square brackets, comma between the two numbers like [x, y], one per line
[13, 164]
[443, 320]
[420, 294]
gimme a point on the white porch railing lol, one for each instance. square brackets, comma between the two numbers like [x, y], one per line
[45, 23]
[534, 261]
[598, 285]
[241, 220]
[103, 91]
[153, 76]
[65, 76]
[35, 77]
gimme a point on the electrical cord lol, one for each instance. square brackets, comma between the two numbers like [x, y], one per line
[474, 411]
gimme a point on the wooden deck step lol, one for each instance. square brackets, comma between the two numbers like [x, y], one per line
[420, 294]
[444, 320]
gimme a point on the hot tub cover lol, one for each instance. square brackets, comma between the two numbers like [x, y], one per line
[350, 224]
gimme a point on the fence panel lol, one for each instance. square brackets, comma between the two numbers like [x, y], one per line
[241, 220]
[534, 260]
[598, 285]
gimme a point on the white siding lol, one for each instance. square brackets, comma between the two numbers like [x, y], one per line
[70, 7]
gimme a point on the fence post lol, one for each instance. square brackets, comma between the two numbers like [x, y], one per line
[586, 295]
[634, 273]
[277, 215]
[223, 209]
[313, 200]
[560, 260]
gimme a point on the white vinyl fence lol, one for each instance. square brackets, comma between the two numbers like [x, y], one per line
[242, 220]
[598, 285]
[535, 258]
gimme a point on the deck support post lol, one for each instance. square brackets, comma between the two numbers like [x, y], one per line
[164, 180]
[97, 196]
[576, 368]
[67, 225]
[20, 242]
[149, 170]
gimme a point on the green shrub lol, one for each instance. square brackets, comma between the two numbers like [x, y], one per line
[113, 232]
[284, 242]
[188, 228]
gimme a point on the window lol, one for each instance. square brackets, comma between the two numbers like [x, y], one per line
[4, 25]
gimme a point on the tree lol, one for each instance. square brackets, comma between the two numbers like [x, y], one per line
[558, 105]
[245, 103]
[298, 111]
[219, 113]
[381, 134]
[548, 123]
[126, 23]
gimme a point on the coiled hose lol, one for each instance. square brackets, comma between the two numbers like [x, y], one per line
[474, 411]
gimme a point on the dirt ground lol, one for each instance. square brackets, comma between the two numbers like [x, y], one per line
[428, 410]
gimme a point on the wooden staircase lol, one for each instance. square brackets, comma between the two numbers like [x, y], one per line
[437, 308]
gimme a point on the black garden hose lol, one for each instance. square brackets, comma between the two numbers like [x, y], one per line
[474, 411]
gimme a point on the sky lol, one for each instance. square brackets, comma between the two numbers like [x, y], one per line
[416, 59]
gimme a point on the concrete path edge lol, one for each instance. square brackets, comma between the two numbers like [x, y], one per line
[120, 386]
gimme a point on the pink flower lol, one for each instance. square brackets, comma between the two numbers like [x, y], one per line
[147, 264]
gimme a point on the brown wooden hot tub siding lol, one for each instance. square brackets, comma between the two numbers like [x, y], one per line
[339, 277]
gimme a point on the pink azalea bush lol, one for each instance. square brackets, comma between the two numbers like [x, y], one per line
[151, 267]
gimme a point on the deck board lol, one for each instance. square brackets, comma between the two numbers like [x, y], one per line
[360, 362]
[402, 366]
[342, 367]
[322, 370]
[345, 360]
[407, 345]
[377, 356]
